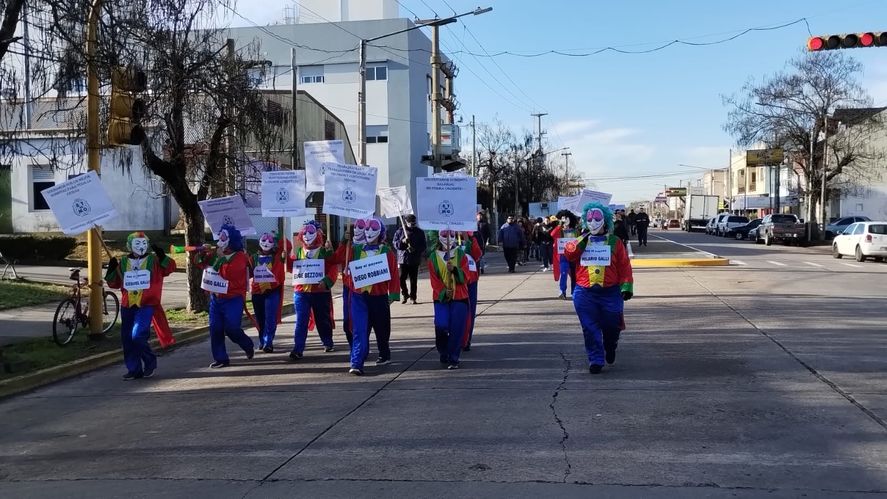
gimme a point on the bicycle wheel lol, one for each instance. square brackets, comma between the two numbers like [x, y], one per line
[64, 322]
[110, 310]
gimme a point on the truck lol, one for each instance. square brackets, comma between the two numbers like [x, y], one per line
[783, 227]
[698, 210]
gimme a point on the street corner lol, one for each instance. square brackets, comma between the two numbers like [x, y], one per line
[647, 263]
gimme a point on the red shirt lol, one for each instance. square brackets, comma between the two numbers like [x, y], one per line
[145, 297]
[233, 267]
[276, 260]
[617, 273]
[475, 252]
[438, 274]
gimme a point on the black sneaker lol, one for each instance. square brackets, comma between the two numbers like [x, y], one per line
[563, 296]
[149, 373]
[268, 349]
[453, 366]
[218, 365]
[611, 356]
[329, 349]
[595, 369]
[251, 353]
[404, 301]
[295, 356]
[382, 362]
[132, 376]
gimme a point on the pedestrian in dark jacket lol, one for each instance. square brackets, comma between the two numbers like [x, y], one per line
[642, 221]
[511, 237]
[620, 229]
[410, 245]
[632, 228]
[543, 240]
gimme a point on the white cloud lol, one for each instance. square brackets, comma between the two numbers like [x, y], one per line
[570, 128]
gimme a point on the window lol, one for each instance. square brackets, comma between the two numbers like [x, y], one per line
[312, 79]
[860, 229]
[377, 73]
[377, 134]
[329, 130]
[41, 178]
[878, 229]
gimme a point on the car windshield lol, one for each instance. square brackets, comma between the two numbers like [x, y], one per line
[783, 219]
[878, 229]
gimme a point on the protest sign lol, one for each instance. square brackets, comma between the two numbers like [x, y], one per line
[283, 193]
[349, 190]
[136, 280]
[317, 154]
[447, 202]
[228, 210]
[308, 271]
[562, 244]
[263, 273]
[596, 254]
[79, 203]
[213, 282]
[569, 203]
[370, 270]
[395, 202]
[590, 196]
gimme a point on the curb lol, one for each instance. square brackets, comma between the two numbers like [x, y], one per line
[678, 262]
[43, 377]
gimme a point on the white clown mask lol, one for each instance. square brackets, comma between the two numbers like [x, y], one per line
[223, 241]
[309, 235]
[139, 246]
[595, 221]
[266, 242]
[447, 239]
[372, 230]
[359, 232]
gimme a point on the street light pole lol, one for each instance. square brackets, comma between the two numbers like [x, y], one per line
[93, 242]
[362, 106]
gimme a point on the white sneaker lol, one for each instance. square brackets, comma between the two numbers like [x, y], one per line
[355, 371]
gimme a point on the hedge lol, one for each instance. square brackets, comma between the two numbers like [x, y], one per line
[36, 248]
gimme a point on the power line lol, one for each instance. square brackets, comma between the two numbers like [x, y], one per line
[416, 16]
[429, 8]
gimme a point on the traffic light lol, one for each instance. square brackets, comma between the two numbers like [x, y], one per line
[126, 109]
[848, 41]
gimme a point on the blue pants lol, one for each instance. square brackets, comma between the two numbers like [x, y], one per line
[600, 314]
[567, 269]
[320, 303]
[135, 328]
[369, 312]
[225, 317]
[472, 309]
[346, 313]
[265, 306]
[449, 326]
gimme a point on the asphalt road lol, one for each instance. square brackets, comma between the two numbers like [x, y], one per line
[752, 380]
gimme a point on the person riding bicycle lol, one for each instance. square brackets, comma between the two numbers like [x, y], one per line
[139, 277]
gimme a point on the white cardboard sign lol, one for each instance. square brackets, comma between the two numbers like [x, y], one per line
[395, 202]
[447, 202]
[596, 254]
[317, 153]
[136, 280]
[370, 270]
[228, 210]
[79, 203]
[562, 244]
[590, 196]
[283, 193]
[262, 273]
[308, 271]
[213, 282]
[349, 190]
[568, 203]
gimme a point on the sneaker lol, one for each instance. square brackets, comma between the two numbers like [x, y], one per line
[382, 362]
[413, 301]
[295, 356]
[250, 353]
[404, 301]
[329, 349]
[563, 296]
[595, 369]
[611, 356]
[481, 271]
[268, 349]
[261, 346]
[218, 365]
[355, 371]
[452, 366]
[132, 376]
[149, 373]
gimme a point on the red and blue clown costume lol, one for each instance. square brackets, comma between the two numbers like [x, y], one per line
[601, 290]
[472, 250]
[314, 300]
[226, 309]
[140, 307]
[268, 267]
[448, 271]
[562, 266]
[371, 305]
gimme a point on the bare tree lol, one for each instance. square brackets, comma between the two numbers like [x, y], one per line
[790, 110]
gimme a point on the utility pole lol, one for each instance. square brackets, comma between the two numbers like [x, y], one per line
[473, 147]
[436, 98]
[294, 158]
[93, 242]
[808, 189]
[362, 106]
[229, 163]
[566, 156]
[824, 172]
[539, 132]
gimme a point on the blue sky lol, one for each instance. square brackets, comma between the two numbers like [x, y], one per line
[634, 115]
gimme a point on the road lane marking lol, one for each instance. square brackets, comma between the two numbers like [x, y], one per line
[813, 264]
[776, 263]
[851, 265]
[738, 262]
[709, 253]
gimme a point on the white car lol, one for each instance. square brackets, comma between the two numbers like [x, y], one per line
[717, 222]
[729, 222]
[710, 226]
[862, 240]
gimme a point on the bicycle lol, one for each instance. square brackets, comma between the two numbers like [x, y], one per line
[73, 312]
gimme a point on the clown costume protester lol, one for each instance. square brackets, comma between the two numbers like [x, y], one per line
[604, 282]
[565, 231]
[471, 248]
[139, 277]
[268, 266]
[315, 298]
[448, 271]
[371, 305]
[225, 276]
[343, 253]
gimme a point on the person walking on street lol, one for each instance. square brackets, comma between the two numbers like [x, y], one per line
[631, 218]
[642, 222]
[619, 228]
[410, 245]
[511, 237]
[483, 235]
[543, 240]
[567, 231]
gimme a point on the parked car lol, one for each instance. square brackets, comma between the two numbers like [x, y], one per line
[710, 226]
[862, 240]
[727, 224]
[717, 223]
[838, 226]
[743, 231]
[780, 227]
[753, 234]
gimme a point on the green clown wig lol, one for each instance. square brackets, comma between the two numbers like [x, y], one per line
[135, 235]
[608, 216]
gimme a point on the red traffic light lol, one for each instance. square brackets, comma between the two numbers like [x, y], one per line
[815, 43]
[847, 41]
[867, 39]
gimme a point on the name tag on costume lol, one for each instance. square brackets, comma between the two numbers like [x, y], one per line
[370, 270]
[596, 254]
[213, 282]
[263, 274]
[562, 244]
[137, 280]
[472, 265]
[308, 271]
